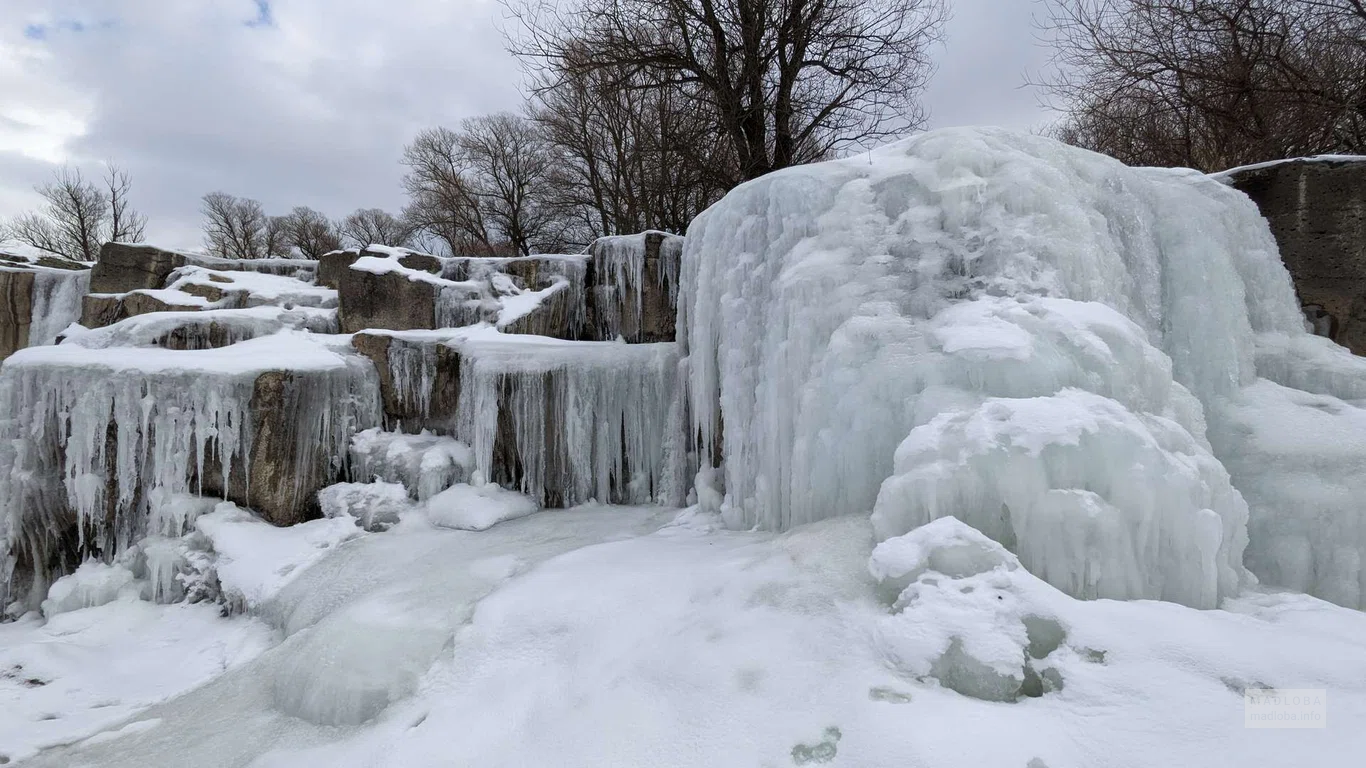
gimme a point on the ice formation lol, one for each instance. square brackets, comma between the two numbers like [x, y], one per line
[425, 464]
[621, 261]
[93, 439]
[458, 302]
[587, 420]
[375, 506]
[1041, 326]
[57, 295]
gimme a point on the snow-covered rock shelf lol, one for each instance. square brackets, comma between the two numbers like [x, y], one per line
[562, 421]
[93, 438]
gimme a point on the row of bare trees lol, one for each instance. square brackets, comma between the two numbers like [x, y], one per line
[238, 228]
[1210, 84]
[79, 215]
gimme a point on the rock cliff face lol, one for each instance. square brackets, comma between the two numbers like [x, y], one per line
[1317, 212]
[195, 376]
[39, 297]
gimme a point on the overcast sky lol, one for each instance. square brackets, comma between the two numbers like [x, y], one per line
[309, 102]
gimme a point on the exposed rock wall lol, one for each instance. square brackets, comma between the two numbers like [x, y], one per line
[1317, 212]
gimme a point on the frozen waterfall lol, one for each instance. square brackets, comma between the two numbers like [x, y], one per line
[1032, 338]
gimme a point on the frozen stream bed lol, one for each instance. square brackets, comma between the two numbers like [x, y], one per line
[628, 636]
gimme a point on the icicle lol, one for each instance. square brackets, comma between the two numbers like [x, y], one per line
[109, 437]
[57, 295]
[585, 420]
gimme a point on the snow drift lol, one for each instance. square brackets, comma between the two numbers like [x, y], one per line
[1057, 349]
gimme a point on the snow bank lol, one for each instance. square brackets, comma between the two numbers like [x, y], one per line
[255, 560]
[830, 311]
[477, 507]
[93, 584]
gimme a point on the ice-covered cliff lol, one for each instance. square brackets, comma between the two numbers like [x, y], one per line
[1069, 354]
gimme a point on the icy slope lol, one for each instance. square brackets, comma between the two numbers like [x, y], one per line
[1048, 331]
[595, 638]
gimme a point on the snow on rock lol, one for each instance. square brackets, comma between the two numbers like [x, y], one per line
[477, 507]
[205, 329]
[830, 312]
[963, 614]
[93, 437]
[254, 560]
[252, 289]
[374, 506]
[93, 584]
[425, 464]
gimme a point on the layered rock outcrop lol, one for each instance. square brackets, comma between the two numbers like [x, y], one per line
[1317, 211]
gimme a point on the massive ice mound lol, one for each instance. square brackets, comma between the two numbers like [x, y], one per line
[1057, 349]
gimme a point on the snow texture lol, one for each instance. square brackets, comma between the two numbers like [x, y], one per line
[477, 507]
[257, 288]
[374, 506]
[205, 329]
[105, 434]
[254, 560]
[597, 638]
[1042, 327]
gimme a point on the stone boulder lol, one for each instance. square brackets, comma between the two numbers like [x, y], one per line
[1317, 212]
[125, 267]
[633, 287]
[16, 309]
[332, 267]
[419, 380]
[393, 289]
[103, 309]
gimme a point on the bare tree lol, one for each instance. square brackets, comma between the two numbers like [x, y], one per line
[630, 152]
[441, 203]
[1210, 83]
[125, 224]
[782, 81]
[486, 188]
[309, 232]
[375, 225]
[78, 216]
[237, 227]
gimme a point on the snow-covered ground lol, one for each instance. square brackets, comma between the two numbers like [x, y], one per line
[87, 672]
[637, 636]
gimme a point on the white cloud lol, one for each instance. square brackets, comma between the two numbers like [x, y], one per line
[314, 108]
